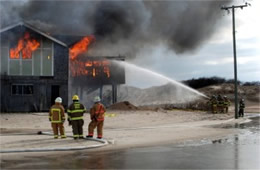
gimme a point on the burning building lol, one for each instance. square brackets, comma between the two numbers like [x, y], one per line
[89, 73]
[37, 67]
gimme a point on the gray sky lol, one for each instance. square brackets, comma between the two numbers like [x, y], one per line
[213, 58]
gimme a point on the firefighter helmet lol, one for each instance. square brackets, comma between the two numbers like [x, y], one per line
[97, 99]
[75, 97]
[58, 100]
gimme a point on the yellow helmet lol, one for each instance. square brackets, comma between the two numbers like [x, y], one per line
[75, 97]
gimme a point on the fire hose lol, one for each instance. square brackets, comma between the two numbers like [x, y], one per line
[102, 142]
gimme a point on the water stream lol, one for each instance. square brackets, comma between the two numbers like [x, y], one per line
[140, 70]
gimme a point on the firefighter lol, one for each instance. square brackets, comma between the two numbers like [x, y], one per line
[226, 104]
[57, 118]
[241, 108]
[214, 104]
[209, 103]
[220, 104]
[75, 117]
[97, 115]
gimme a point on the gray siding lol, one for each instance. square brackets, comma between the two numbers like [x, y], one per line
[41, 99]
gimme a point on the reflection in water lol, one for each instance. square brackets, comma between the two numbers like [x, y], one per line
[97, 162]
[236, 151]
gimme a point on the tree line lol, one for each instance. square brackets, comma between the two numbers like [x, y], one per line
[207, 81]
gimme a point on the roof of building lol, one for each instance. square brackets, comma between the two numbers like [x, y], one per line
[68, 39]
[36, 30]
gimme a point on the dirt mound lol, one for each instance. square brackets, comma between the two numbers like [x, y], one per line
[249, 93]
[125, 105]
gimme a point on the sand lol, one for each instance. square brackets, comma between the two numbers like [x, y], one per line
[123, 129]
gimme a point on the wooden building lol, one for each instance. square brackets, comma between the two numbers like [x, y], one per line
[34, 69]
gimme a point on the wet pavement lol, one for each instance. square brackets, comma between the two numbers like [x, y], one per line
[237, 151]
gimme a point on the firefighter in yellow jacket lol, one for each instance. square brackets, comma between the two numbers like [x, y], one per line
[75, 117]
[226, 103]
[213, 104]
[97, 115]
[57, 118]
[220, 104]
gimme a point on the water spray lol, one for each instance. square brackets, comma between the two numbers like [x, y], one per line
[126, 64]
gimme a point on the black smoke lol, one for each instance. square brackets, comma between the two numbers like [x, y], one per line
[122, 27]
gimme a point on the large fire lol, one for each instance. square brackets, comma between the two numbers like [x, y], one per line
[80, 47]
[93, 68]
[26, 45]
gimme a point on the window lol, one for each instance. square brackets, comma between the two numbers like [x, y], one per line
[14, 68]
[27, 89]
[27, 67]
[47, 62]
[37, 63]
[36, 60]
[18, 89]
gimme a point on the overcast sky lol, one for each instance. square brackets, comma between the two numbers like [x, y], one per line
[213, 58]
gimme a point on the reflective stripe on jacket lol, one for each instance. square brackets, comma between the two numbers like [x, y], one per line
[76, 111]
[227, 103]
[214, 102]
[56, 113]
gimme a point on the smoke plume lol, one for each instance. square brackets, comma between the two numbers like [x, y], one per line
[122, 27]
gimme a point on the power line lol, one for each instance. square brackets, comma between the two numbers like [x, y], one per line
[233, 7]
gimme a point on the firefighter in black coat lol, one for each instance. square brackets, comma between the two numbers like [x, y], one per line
[241, 108]
[75, 117]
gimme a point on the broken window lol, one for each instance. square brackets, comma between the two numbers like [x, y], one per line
[30, 57]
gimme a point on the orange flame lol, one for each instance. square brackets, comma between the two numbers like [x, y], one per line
[92, 68]
[80, 47]
[94, 72]
[89, 64]
[77, 68]
[26, 45]
[107, 71]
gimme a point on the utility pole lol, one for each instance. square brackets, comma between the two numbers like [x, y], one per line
[234, 49]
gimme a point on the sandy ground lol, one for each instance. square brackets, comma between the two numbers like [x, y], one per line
[125, 129]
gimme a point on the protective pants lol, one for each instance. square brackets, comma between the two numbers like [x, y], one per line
[214, 108]
[241, 113]
[77, 128]
[226, 108]
[221, 108]
[92, 125]
[56, 127]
